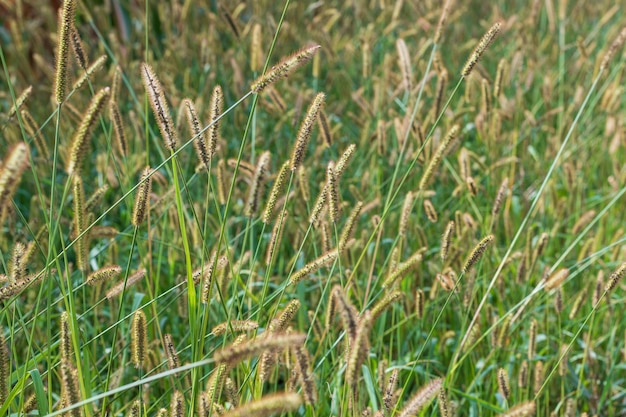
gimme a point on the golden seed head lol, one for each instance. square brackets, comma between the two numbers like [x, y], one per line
[285, 67]
[421, 399]
[215, 112]
[170, 351]
[446, 240]
[233, 354]
[348, 229]
[236, 326]
[617, 43]
[119, 287]
[438, 156]
[104, 274]
[159, 106]
[80, 142]
[142, 198]
[177, 404]
[480, 49]
[477, 253]
[281, 322]
[442, 21]
[256, 187]
[556, 279]
[614, 278]
[503, 383]
[306, 128]
[200, 142]
[405, 214]
[63, 47]
[79, 49]
[80, 224]
[11, 173]
[333, 192]
[326, 259]
[386, 301]
[268, 405]
[89, 72]
[405, 64]
[118, 128]
[256, 50]
[526, 409]
[497, 85]
[403, 269]
[277, 189]
[359, 349]
[430, 211]
[19, 102]
[139, 339]
[275, 237]
[420, 302]
[324, 127]
[5, 368]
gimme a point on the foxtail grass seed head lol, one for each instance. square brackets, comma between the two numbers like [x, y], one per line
[614, 278]
[526, 409]
[142, 197]
[105, 273]
[556, 279]
[116, 84]
[384, 303]
[200, 142]
[583, 221]
[404, 61]
[306, 128]
[522, 375]
[177, 404]
[69, 386]
[170, 352]
[221, 181]
[276, 191]
[497, 85]
[333, 192]
[348, 228]
[442, 80]
[359, 350]
[267, 406]
[118, 128]
[34, 131]
[80, 224]
[234, 354]
[403, 269]
[578, 302]
[236, 326]
[159, 106]
[486, 96]
[215, 112]
[324, 127]
[446, 240]
[16, 287]
[389, 397]
[430, 211]
[88, 74]
[477, 253]
[319, 205]
[442, 23]
[422, 398]
[119, 287]
[471, 186]
[538, 377]
[275, 238]
[532, 338]
[343, 161]
[256, 50]
[65, 337]
[80, 142]
[19, 102]
[17, 267]
[407, 208]
[5, 368]
[63, 49]
[285, 67]
[438, 156]
[258, 182]
[497, 204]
[420, 303]
[313, 266]
[96, 198]
[280, 323]
[480, 49]
[503, 383]
[309, 389]
[444, 405]
[79, 48]
[617, 44]
[347, 311]
[139, 339]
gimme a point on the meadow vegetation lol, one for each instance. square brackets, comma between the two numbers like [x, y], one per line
[333, 208]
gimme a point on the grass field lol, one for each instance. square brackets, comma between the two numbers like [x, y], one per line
[333, 208]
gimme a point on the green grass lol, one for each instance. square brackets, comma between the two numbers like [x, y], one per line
[555, 131]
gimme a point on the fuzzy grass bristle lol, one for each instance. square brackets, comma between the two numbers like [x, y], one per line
[159, 106]
[285, 67]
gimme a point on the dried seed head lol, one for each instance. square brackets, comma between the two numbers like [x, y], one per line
[538, 377]
[89, 72]
[442, 23]
[69, 386]
[275, 238]
[348, 228]
[267, 406]
[617, 43]
[324, 127]
[480, 49]
[319, 205]
[407, 207]
[80, 224]
[103, 274]
[177, 404]
[159, 106]
[200, 141]
[333, 192]
[438, 156]
[5, 369]
[79, 48]
[583, 221]
[142, 198]
[385, 302]
[403, 268]
[421, 399]
[615, 277]
[444, 406]
[256, 187]
[236, 326]
[313, 266]
[477, 253]
[306, 128]
[63, 48]
[526, 409]
[446, 240]
[503, 383]
[497, 204]
[285, 67]
[170, 351]
[65, 344]
[522, 375]
[256, 50]
[118, 128]
[420, 302]
[309, 388]
[390, 398]
[116, 84]
[32, 128]
[280, 323]
[404, 62]
[532, 338]
[277, 189]
[80, 142]
[556, 279]
[358, 350]
[578, 302]
[442, 80]
[232, 355]
[19, 102]
[497, 85]
[119, 287]
[95, 198]
[14, 288]
[17, 267]
[486, 102]
[139, 339]
[215, 112]
[347, 312]
[221, 181]
[430, 211]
